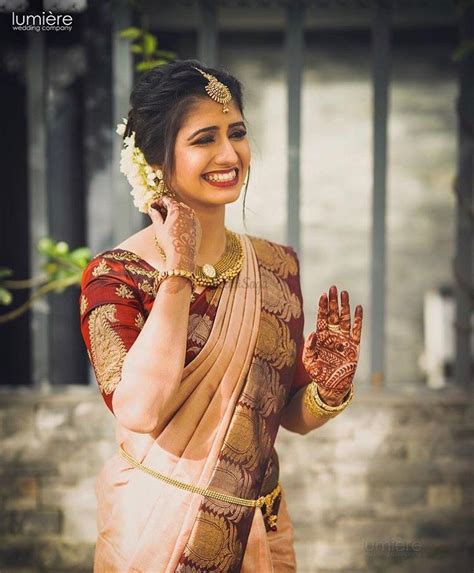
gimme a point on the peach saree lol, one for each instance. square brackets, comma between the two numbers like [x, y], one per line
[242, 352]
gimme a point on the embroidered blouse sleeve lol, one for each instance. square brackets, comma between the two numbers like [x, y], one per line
[111, 317]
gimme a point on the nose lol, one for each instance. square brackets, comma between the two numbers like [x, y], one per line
[226, 154]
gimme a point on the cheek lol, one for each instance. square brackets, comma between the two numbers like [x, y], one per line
[189, 164]
[245, 152]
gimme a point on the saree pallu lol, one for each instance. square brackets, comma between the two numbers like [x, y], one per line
[221, 427]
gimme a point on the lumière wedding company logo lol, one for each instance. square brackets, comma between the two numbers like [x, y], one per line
[44, 22]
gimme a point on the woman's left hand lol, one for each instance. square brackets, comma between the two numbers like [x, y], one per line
[331, 353]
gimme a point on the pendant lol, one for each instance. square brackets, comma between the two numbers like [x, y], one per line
[209, 270]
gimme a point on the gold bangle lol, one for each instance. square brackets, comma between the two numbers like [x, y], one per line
[327, 407]
[178, 273]
[317, 407]
[312, 407]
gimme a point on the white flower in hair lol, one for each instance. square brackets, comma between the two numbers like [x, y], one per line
[121, 127]
[140, 175]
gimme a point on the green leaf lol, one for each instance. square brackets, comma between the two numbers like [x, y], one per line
[149, 44]
[136, 49]
[149, 65]
[5, 297]
[62, 248]
[81, 256]
[46, 246]
[50, 268]
[131, 33]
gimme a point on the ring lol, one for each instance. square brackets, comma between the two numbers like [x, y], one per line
[334, 327]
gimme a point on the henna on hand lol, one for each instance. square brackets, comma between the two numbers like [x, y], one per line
[331, 353]
[179, 233]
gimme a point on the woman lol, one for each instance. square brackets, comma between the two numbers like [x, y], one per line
[195, 334]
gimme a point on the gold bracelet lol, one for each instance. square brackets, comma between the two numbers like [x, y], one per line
[311, 405]
[327, 407]
[317, 407]
[162, 275]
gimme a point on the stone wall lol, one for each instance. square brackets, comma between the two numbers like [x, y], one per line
[385, 487]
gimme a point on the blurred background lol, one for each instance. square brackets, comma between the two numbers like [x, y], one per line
[361, 123]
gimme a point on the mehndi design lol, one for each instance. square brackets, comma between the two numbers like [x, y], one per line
[331, 353]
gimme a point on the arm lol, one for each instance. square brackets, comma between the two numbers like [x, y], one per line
[138, 364]
[143, 363]
[153, 367]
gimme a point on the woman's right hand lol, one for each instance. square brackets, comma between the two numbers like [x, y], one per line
[178, 231]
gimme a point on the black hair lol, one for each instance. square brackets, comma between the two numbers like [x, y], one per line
[161, 100]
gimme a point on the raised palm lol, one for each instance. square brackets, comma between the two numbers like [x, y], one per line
[331, 353]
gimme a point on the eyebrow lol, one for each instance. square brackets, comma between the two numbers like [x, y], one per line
[214, 127]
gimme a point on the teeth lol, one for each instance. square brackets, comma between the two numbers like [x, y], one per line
[222, 177]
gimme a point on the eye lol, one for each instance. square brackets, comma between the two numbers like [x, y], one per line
[204, 140]
[240, 134]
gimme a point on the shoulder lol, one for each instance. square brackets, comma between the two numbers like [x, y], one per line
[106, 281]
[109, 267]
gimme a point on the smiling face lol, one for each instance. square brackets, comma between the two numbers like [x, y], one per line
[211, 155]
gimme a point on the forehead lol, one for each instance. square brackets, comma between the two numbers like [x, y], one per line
[207, 112]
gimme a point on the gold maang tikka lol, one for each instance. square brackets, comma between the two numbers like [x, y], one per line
[216, 90]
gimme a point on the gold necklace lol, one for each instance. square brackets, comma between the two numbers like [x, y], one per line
[226, 268]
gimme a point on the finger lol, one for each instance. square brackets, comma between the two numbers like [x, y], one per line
[310, 345]
[345, 312]
[322, 319]
[154, 213]
[168, 201]
[357, 329]
[333, 307]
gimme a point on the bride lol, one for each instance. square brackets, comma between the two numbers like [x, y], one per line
[195, 334]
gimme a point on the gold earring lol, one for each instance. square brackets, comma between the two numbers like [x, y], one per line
[161, 189]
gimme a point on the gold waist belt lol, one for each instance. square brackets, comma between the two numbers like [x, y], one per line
[266, 500]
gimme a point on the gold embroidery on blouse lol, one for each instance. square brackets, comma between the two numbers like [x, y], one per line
[139, 320]
[128, 256]
[146, 287]
[124, 291]
[142, 272]
[83, 304]
[108, 349]
[101, 269]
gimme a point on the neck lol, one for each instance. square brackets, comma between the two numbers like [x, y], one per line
[213, 238]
